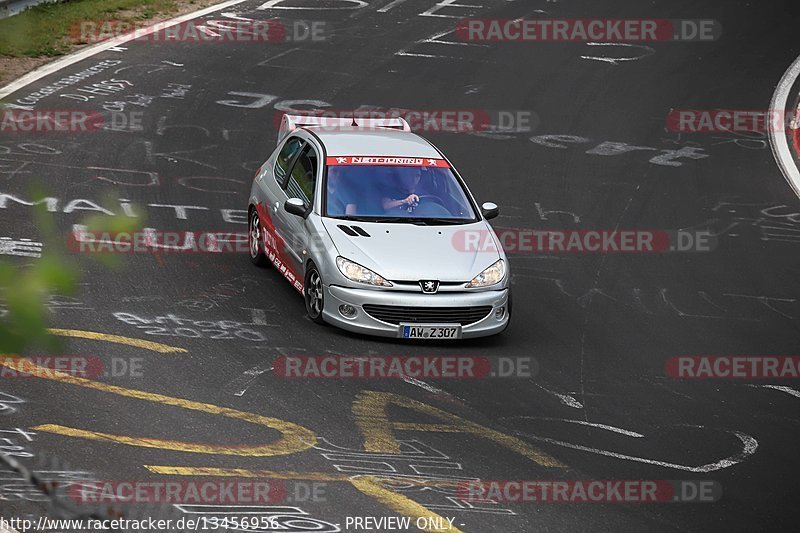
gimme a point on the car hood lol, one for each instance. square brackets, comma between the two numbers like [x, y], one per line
[408, 252]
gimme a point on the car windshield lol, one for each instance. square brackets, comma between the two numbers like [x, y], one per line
[396, 194]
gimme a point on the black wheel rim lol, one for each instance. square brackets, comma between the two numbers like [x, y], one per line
[254, 236]
[314, 294]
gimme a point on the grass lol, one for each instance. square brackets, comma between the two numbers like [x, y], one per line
[44, 30]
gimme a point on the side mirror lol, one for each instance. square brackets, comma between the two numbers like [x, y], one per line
[490, 210]
[295, 206]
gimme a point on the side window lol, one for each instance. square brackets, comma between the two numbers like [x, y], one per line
[304, 176]
[285, 157]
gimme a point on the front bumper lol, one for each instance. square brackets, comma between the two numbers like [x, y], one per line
[363, 322]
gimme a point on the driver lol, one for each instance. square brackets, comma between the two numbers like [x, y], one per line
[404, 196]
[341, 198]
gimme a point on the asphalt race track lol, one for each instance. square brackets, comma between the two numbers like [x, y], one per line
[597, 328]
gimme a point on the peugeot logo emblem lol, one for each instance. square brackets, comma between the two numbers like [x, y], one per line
[429, 286]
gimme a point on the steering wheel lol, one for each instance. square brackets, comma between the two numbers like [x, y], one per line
[432, 198]
[431, 206]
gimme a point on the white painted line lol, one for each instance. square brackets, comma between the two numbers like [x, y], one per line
[95, 49]
[239, 386]
[566, 399]
[390, 5]
[613, 429]
[423, 385]
[431, 12]
[749, 447]
[408, 54]
[780, 146]
[273, 4]
[616, 60]
[787, 390]
[434, 39]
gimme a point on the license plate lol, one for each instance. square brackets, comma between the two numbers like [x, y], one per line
[430, 331]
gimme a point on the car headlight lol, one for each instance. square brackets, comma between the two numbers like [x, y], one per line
[491, 276]
[360, 274]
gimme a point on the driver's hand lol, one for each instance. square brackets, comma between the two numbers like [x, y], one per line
[412, 199]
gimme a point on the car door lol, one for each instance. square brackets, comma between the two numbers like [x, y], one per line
[300, 183]
[272, 182]
[272, 179]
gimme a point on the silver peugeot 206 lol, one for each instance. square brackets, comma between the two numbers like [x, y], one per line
[376, 229]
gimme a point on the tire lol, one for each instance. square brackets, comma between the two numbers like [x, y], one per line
[314, 294]
[255, 240]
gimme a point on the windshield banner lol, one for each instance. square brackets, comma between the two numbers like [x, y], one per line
[387, 161]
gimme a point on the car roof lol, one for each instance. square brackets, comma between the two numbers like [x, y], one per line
[373, 142]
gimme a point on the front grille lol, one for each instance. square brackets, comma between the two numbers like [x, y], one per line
[394, 314]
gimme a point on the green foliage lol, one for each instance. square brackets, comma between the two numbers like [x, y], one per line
[26, 290]
[44, 30]
[25, 294]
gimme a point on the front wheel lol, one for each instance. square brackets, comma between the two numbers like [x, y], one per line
[314, 294]
[255, 240]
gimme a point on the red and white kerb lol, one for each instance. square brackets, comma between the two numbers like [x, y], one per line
[386, 161]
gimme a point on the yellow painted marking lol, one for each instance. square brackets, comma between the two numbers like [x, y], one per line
[138, 343]
[203, 471]
[244, 473]
[370, 410]
[294, 438]
[415, 426]
[369, 485]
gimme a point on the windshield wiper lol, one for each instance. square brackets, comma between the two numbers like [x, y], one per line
[434, 221]
[419, 221]
[390, 220]
[399, 220]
